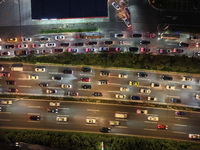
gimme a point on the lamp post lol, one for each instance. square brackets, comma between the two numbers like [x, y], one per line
[19, 18]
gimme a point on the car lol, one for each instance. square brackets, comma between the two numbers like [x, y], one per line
[141, 111]
[153, 118]
[40, 69]
[170, 87]
[10, 46]
[118, 35]
[122, 75]
[182, 44]
[5, 54]
[59, 37]
[52, 110]
[144, 50]
[26, 39]
[114, 123]
[6, 102]
[187, 78]
[54, 103]
[134, 97]
[21, 53]
[4, 74]
[40, 45]
[61, 119]
[176, 100]
[86, 69]
[104, 73]
[146, 91]
[72, 93]
[1, 68]
[44, 39]
[44, 84]
[34, 117]
[57, 78]
[165, 77]
[86, 86]
[104, 49]
[50, 44]
[115, 5]
[68, 71]
[12, 39]
[85, 79]
[91, 120]
[34, 52]
[51, 91]
[127, 12]
[194, 136]
[162, 126]
[197, 96]
[105, 130]
[13, 90]
[97, 94]
[194, 37]
[89, 50]
[67, 86]
[34, 77]
[58, 50]
[133, 83]
[120, 96]
[136, 35]
[142, 74]
[108, 42]
[133, 49]
[151, 98]
[177, 50]
[101, 82]
[124, 89]
[64, 44]
[11, 82]
[127, 22]
[0, 47]
[186, 86]
[119, 49]
[153, 84]
[163, 51]
[78, 44]
[73, 50]
[22, 46]
[179, 113]
[144, 42]
[0, 109]
[92, 43]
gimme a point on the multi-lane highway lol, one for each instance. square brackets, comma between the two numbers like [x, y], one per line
[28, 86]
[17, 115]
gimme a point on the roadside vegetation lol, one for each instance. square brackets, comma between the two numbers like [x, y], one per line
[70, 30]
[91, 141]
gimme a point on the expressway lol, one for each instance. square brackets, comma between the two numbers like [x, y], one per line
[28, 86]
[17, 115]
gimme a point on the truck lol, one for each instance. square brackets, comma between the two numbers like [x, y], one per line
[91, 35]
[16, 67]
[171, 36]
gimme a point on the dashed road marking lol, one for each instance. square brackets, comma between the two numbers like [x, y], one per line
[151, 122]
[150, 129]
[24, 86]
[121, 126]
[179, 132]
[92, 110]
[34, 106]
[181, 125]
[5, 120]
[181, 117]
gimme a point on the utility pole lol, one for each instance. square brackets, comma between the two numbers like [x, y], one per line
[19, 18]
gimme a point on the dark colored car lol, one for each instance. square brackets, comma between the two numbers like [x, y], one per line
[78, 44]
[135, 98]
[137, 35]
[12, 90]
[34, 117]
[142, 74]
[177, 50]
[144, 50]
[72, 93]
[86, 86]
[33, 52]
[105, 130]
[194, 37]
[119, 35]
[11, 82]
[86, 69]
[182, 44]
[4, 74]
[179, 113]
[64, 44]
[57, 77]
[67, 71]
[44, 84]
[97, 94]
[143, 42]
[59, 50]
[163, 51]
[44, 39]
[10, 46]
[176, 100]
[133, 49]
[101, 82]
[104, 73]
[5, 53]
[108, 42]
[127, 11]
[52, 110]
[164, 77]
[92, 43]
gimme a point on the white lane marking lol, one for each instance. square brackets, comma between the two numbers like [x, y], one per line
[92, 110]
[150, 129]
[84, 89]
[61, 123]
[143, 86]
[33, 114]
[83, 82]
[4, 119]
[121, 119]
[91, 124]
[113, 91]
[143, 79]
[64, 108]
[114, 84]
[34, 106]
[150, 122]
[181, 117]
[24, 86]
[28, 71]
[173, 81]
[144, 93]
[86, 74]
[173, 96]
[5, 112]
[121, 126]
[55, 87]
[181, 125]
[179, 132]
[55, 73]
[23, 79]
[34, 121]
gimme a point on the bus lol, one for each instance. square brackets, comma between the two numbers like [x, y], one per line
[171, 36]
[91, 35]
[17, 67]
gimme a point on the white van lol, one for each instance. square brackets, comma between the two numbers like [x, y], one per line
[121, 115]
[16, 68]
[125, 42]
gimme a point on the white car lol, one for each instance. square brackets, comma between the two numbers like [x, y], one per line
[170, 87]
[194, 136]
[38, 45]
[6, 102]
[91, 120]
[22, 46]
[127, 22]
[114, 123]
[147, 91]
[152, 98]
[50, 44]
[197, 97]
[153, 118]
[26, 39]
[54, 103]
[124, 89]
[61, 119]
[141, 111]
[34, 77]
[68, 86]
[0, 48]
[153, 84]
[186, 86]
[122, 75]
[121, 96]
[40, 69]
[51, 91]
[187, 78]
[115, 5]
[59, 37]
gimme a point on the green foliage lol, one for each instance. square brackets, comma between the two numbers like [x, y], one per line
[70, 30]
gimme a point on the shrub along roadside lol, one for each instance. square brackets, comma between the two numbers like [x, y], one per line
[91, 141]
[70, 30]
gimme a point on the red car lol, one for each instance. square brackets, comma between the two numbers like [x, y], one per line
[85, 79]
[3, 74]
[162, 126]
